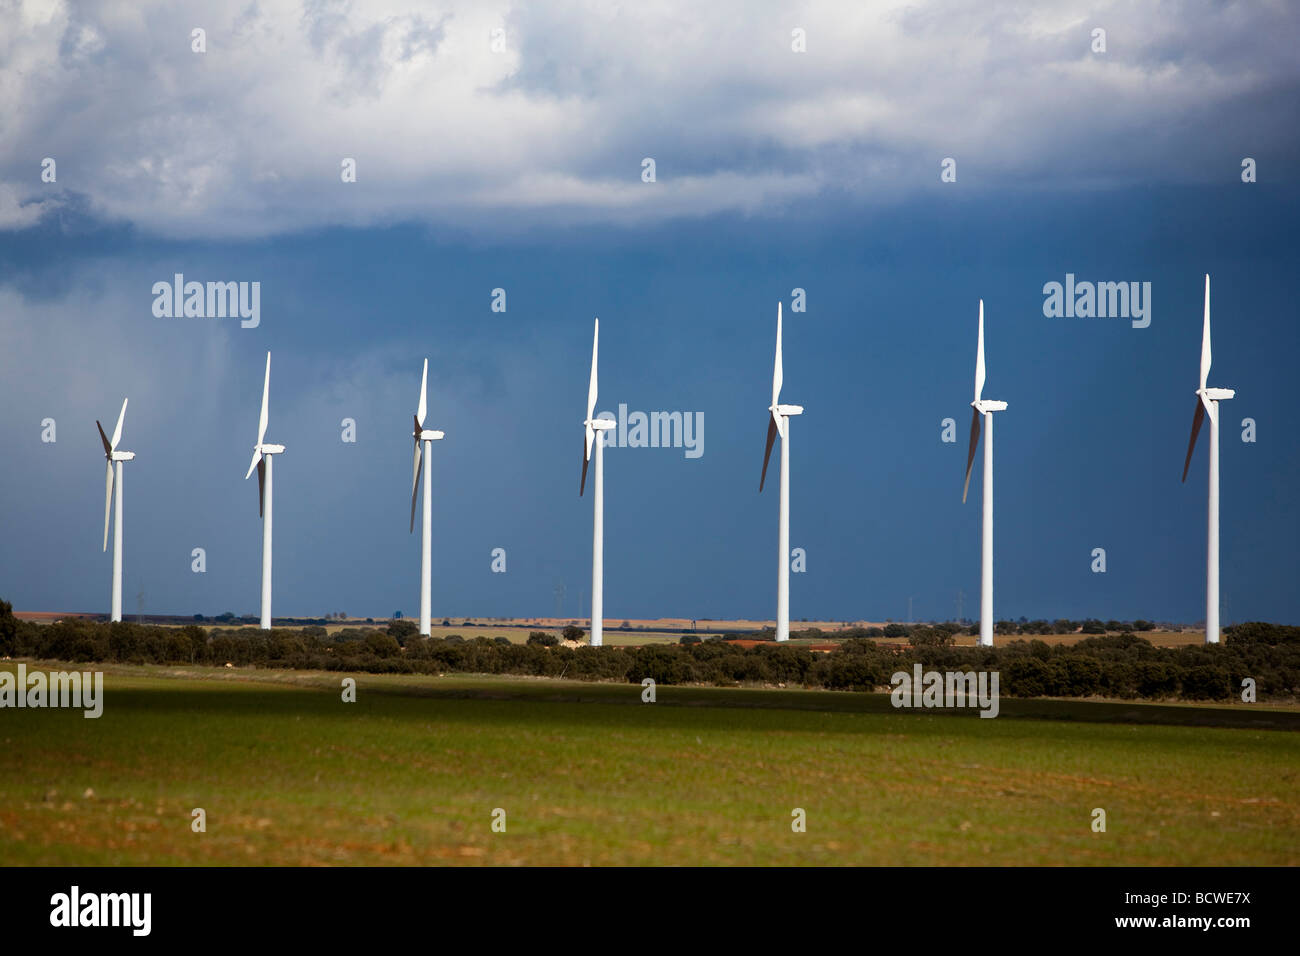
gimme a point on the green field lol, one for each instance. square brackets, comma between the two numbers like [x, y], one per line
[587, 773]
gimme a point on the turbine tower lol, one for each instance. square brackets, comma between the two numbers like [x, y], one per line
[424, 439]
[262, 453]
[983, 409]
[114, 473]
[1207, 402]
[591, 425]
[780, 424]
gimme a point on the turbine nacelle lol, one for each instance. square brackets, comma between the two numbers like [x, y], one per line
[267, 449]
[1216, 394]
[988, 405]
[122, 456]
[785, 411]
[426, 434]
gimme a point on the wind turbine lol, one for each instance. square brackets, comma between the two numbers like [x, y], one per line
[112, 473]
[424, 440]
[1207, 401]
[780, 423]
[983, 408]
[591, 426]
[262, 453]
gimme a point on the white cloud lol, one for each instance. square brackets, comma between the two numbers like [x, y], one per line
[247, 139]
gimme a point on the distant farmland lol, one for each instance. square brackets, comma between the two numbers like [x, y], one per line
[639, 631]
[586, 773]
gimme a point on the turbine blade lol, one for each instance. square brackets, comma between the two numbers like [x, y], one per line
[1196, 430]
[417, 464]
[422, 408]
[767, 453]
[257, 457]
[970, 455]
[1205, 336]
[261, 487]
[108, 448]
[586, 456]
[117, 432]
[778, 372]
[979, 358]
[108, 500]
[591, 386]
[266, 393]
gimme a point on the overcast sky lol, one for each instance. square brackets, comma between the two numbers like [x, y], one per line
[522, 168]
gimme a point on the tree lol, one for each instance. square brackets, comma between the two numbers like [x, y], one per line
[8, 628]
[542, 639]
[930, 637]
[401, 630]
[572, 633]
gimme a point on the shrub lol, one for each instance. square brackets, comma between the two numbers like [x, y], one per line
[1025, 677]
[400, 631]
[930, 637]
[383, 645]
[1207, 682]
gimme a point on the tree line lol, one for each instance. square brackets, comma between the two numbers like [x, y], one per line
[1116, 665]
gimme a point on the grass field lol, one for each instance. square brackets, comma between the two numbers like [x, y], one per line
[586, 773]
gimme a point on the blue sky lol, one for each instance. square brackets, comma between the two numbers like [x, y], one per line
[818, 181]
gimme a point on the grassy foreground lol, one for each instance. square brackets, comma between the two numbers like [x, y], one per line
[586, 773]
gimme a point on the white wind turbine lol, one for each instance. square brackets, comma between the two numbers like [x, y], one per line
[262, 453]
[424, 439]
[591, 425]
[1207, 401]
[983, 409]
[112, 473]
[780, 423]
